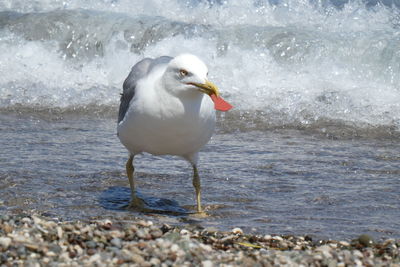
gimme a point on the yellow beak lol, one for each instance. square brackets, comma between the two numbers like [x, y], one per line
[208, 88]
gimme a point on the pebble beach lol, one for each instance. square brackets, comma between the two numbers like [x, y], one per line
[37, 241]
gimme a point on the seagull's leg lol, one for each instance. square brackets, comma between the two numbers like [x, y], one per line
[197, 187]
[129, 172]
[135, 201]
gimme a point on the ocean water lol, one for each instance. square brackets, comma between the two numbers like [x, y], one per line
[311, 147]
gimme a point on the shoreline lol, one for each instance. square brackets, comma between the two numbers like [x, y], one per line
[33, 240]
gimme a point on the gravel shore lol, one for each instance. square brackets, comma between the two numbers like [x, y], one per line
[37, 241]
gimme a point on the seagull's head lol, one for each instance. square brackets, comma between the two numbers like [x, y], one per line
[187, 74]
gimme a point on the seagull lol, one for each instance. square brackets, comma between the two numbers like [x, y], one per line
[165, 109]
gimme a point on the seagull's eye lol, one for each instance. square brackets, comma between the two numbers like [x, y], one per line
[183, 72]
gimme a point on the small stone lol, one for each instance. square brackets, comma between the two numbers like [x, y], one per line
[4, 217]
[106, 224]
[277, 238]
[318, 257]
[3, 258]
[389, 241]
[142, 245]
[173, 237]
[237, 231]
[283, 260]
[357, 254]
[116, 234]
[157, 233]
[95, 258]
[369, 262]
[365, 240]
[21, 250]
[7, 228]
[184, 232]
[155, 261]
[36, 220]
[50, 254]
[325, 250]
[267, 237]
[64, 256]
[210, 230]
[358, 262]
[55, 248]
[78, 249]
[12, 253]
[143, 234]
[59, 232]
[332, 263]
[174, 248]
[308, 238]
[145, 223]
[5, 242]
[205, 247]
[347, 256]
[20, 239]
[137, 259]
[207, 263]
[91, 244]
[126, 255]
[344, 243]
[228, 239]
[166, 228]
[91, 251]
[26, 220]
[116, 242]
[333, 245]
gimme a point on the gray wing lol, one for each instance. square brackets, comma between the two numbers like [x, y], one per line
[138, 71]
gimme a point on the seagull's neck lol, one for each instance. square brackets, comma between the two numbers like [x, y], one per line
[163, 87]
[177, 102]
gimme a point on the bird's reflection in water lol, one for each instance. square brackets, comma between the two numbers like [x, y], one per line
[118, 198]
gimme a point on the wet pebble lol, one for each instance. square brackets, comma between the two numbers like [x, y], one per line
[116, 242]
[237, 231]
[207, 263]
[7, 228]
[156, 233]
[365, 240]
[21, 250]
[91, 251]
[91, 244]
[5, 242]
[143, 234]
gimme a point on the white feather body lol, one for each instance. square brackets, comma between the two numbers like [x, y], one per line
[162, 123]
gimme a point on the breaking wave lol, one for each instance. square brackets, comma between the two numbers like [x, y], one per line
[326, 65]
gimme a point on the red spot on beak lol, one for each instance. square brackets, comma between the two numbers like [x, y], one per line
[220, 104]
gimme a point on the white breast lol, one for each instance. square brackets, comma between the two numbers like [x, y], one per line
[163, 124]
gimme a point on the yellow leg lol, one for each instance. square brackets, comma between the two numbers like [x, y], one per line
[129, 172]
[197, 187]
[135, 201]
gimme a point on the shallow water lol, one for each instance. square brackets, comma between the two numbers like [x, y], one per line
[277, 181]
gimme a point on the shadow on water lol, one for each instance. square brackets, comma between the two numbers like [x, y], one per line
[118, 198]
